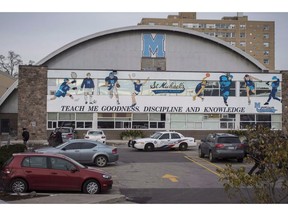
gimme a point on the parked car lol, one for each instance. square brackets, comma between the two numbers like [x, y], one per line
[96, 135]
[222, 145]
[85, 151]
[163, 140]
[31, 171]
[67, 133]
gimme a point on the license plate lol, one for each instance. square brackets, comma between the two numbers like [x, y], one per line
[230, 147]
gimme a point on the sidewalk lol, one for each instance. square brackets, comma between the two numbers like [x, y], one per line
[74, 199]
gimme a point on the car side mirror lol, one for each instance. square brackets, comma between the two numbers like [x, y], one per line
[73, 169]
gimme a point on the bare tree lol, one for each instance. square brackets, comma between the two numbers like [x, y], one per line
[10, 63]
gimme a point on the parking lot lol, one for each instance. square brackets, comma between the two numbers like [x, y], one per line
[169, 176]
[157, 177]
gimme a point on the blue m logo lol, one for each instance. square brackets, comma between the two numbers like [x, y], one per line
[153, 45]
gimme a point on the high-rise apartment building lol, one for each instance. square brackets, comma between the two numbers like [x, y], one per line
[253, 37]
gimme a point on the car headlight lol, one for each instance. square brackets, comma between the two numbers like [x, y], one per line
[105, 176]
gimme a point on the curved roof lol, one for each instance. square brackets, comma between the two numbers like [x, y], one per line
[148, 27]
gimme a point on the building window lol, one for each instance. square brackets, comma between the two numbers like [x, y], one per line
[266, 36]
[266, 44]
[266, 61]
[251, 120]
[267, 120]
[242, 35]
[233, 43]
[242, 44]
[75, 120]
[266, 52]
[202, 25]
[175, 24]
[210, 26]
[231, 26]
[266, 27]
[242, 26]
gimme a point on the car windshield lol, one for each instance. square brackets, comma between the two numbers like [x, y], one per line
[228, 140]
[156, 135]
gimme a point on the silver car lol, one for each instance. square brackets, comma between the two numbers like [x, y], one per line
[85, 152]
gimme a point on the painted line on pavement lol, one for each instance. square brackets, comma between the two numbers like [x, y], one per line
[211, 163]
[199, 164]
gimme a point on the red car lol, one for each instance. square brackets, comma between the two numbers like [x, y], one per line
[38, 171]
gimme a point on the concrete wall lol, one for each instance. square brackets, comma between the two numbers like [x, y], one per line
[32, 101]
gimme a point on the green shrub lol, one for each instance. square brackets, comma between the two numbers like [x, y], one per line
[131, 134]
[238, 132]
[7, 151]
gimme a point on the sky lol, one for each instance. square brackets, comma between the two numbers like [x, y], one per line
[34, 33]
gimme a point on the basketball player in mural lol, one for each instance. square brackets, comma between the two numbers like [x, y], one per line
[199, 90]
[63, 89]
[250, 85]
[88, 86]
[225, 84]
[274, 84]
[111, 82]
[137, 88]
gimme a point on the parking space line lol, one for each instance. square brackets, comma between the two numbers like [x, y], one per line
[211, 163]
[199, 164]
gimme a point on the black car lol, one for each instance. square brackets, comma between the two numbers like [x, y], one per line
[222, 145]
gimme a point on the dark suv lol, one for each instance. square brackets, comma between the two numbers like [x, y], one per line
[222, 145]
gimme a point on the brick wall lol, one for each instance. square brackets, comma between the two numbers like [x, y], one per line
[32, 101]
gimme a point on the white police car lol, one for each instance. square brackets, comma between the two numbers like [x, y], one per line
[163, 140]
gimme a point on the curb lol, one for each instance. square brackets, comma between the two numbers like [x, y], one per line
[73, 199]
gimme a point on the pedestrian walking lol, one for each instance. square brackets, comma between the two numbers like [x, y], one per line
[25, 136]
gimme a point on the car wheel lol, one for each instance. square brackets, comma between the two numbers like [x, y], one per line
[18, 186]
[200, 153]
[101, 161]
[183, 147]
[149, 147]
[91, 187]
[211, 157]
[240, 160]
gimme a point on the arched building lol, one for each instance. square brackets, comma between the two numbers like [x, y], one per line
[158, 69]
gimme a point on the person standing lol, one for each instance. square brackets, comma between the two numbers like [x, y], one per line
[225, 84]
[88, 86]
[25, 136]
[111, 82]
[137, 89]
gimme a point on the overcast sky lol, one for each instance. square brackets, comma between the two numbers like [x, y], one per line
[35, 35]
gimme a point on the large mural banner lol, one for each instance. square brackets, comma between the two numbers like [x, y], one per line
[163, 92]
